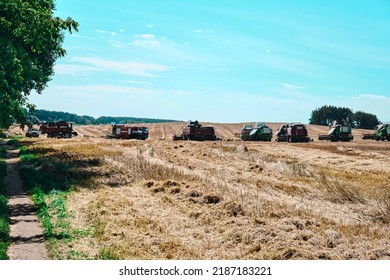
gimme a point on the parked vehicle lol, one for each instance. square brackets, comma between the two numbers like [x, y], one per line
[295, 132]
[195, 131]
[338, 131]
[33, 132]
[61, 129]
[122, 131]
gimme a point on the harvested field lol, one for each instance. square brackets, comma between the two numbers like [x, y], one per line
[164, 199]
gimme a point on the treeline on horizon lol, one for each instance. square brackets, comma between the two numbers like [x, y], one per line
[53, 116]
[326, 114]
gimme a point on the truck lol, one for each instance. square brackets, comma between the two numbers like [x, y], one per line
[33, 132]
[338, 131]
[60, 129]
[294, 132]
[195, 131]
[261, 132]
[123, 131]
[382, 133]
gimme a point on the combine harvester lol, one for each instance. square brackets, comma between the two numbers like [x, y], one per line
[61, 129]
[295, 132]
[195, 131]
[260, 132]
[122, 131]
[382, 133]
[339, 131]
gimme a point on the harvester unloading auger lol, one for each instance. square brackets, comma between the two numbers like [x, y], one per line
[339, 131]
[382, 133]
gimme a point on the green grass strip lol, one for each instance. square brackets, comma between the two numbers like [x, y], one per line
[4, 214]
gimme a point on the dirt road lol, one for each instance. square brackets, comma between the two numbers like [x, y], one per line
[27, 242]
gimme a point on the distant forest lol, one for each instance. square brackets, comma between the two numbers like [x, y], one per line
[52, 116]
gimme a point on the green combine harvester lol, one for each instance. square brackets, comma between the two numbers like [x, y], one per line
[338, 132]
[382, 133]
[260, 132]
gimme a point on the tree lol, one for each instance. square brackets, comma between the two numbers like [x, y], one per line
[325, 115]
[364, 120]
[31, 40]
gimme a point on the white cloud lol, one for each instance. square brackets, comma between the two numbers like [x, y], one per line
[101, 31]
[373, 96]
[102, 88]
[75, 70]
[129, 67]
[291, 86]
[105, 32]
[183, 92]
[198, 30]
[150, 26]
[147, 36]
[151, 40]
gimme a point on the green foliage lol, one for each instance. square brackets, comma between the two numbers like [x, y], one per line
[31, 40]
[4, 215]
[3, 152]
[52, 116]
[49, 180]
[38, 197]
[364, 120]
[325, 115]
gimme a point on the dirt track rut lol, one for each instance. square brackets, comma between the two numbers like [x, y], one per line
[27, 242]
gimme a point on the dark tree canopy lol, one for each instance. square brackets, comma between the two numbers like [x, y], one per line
[364, 120]
[31, 40]
[325, 115]
[53, 116]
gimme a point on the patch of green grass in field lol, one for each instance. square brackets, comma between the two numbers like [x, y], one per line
[49, 182]
[4, 215]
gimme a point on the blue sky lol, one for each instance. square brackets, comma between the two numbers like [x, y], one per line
[222, 60]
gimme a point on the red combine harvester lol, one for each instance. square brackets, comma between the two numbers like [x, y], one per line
[295, 132]
[122, 131]
[61, 129]
[195, 131]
